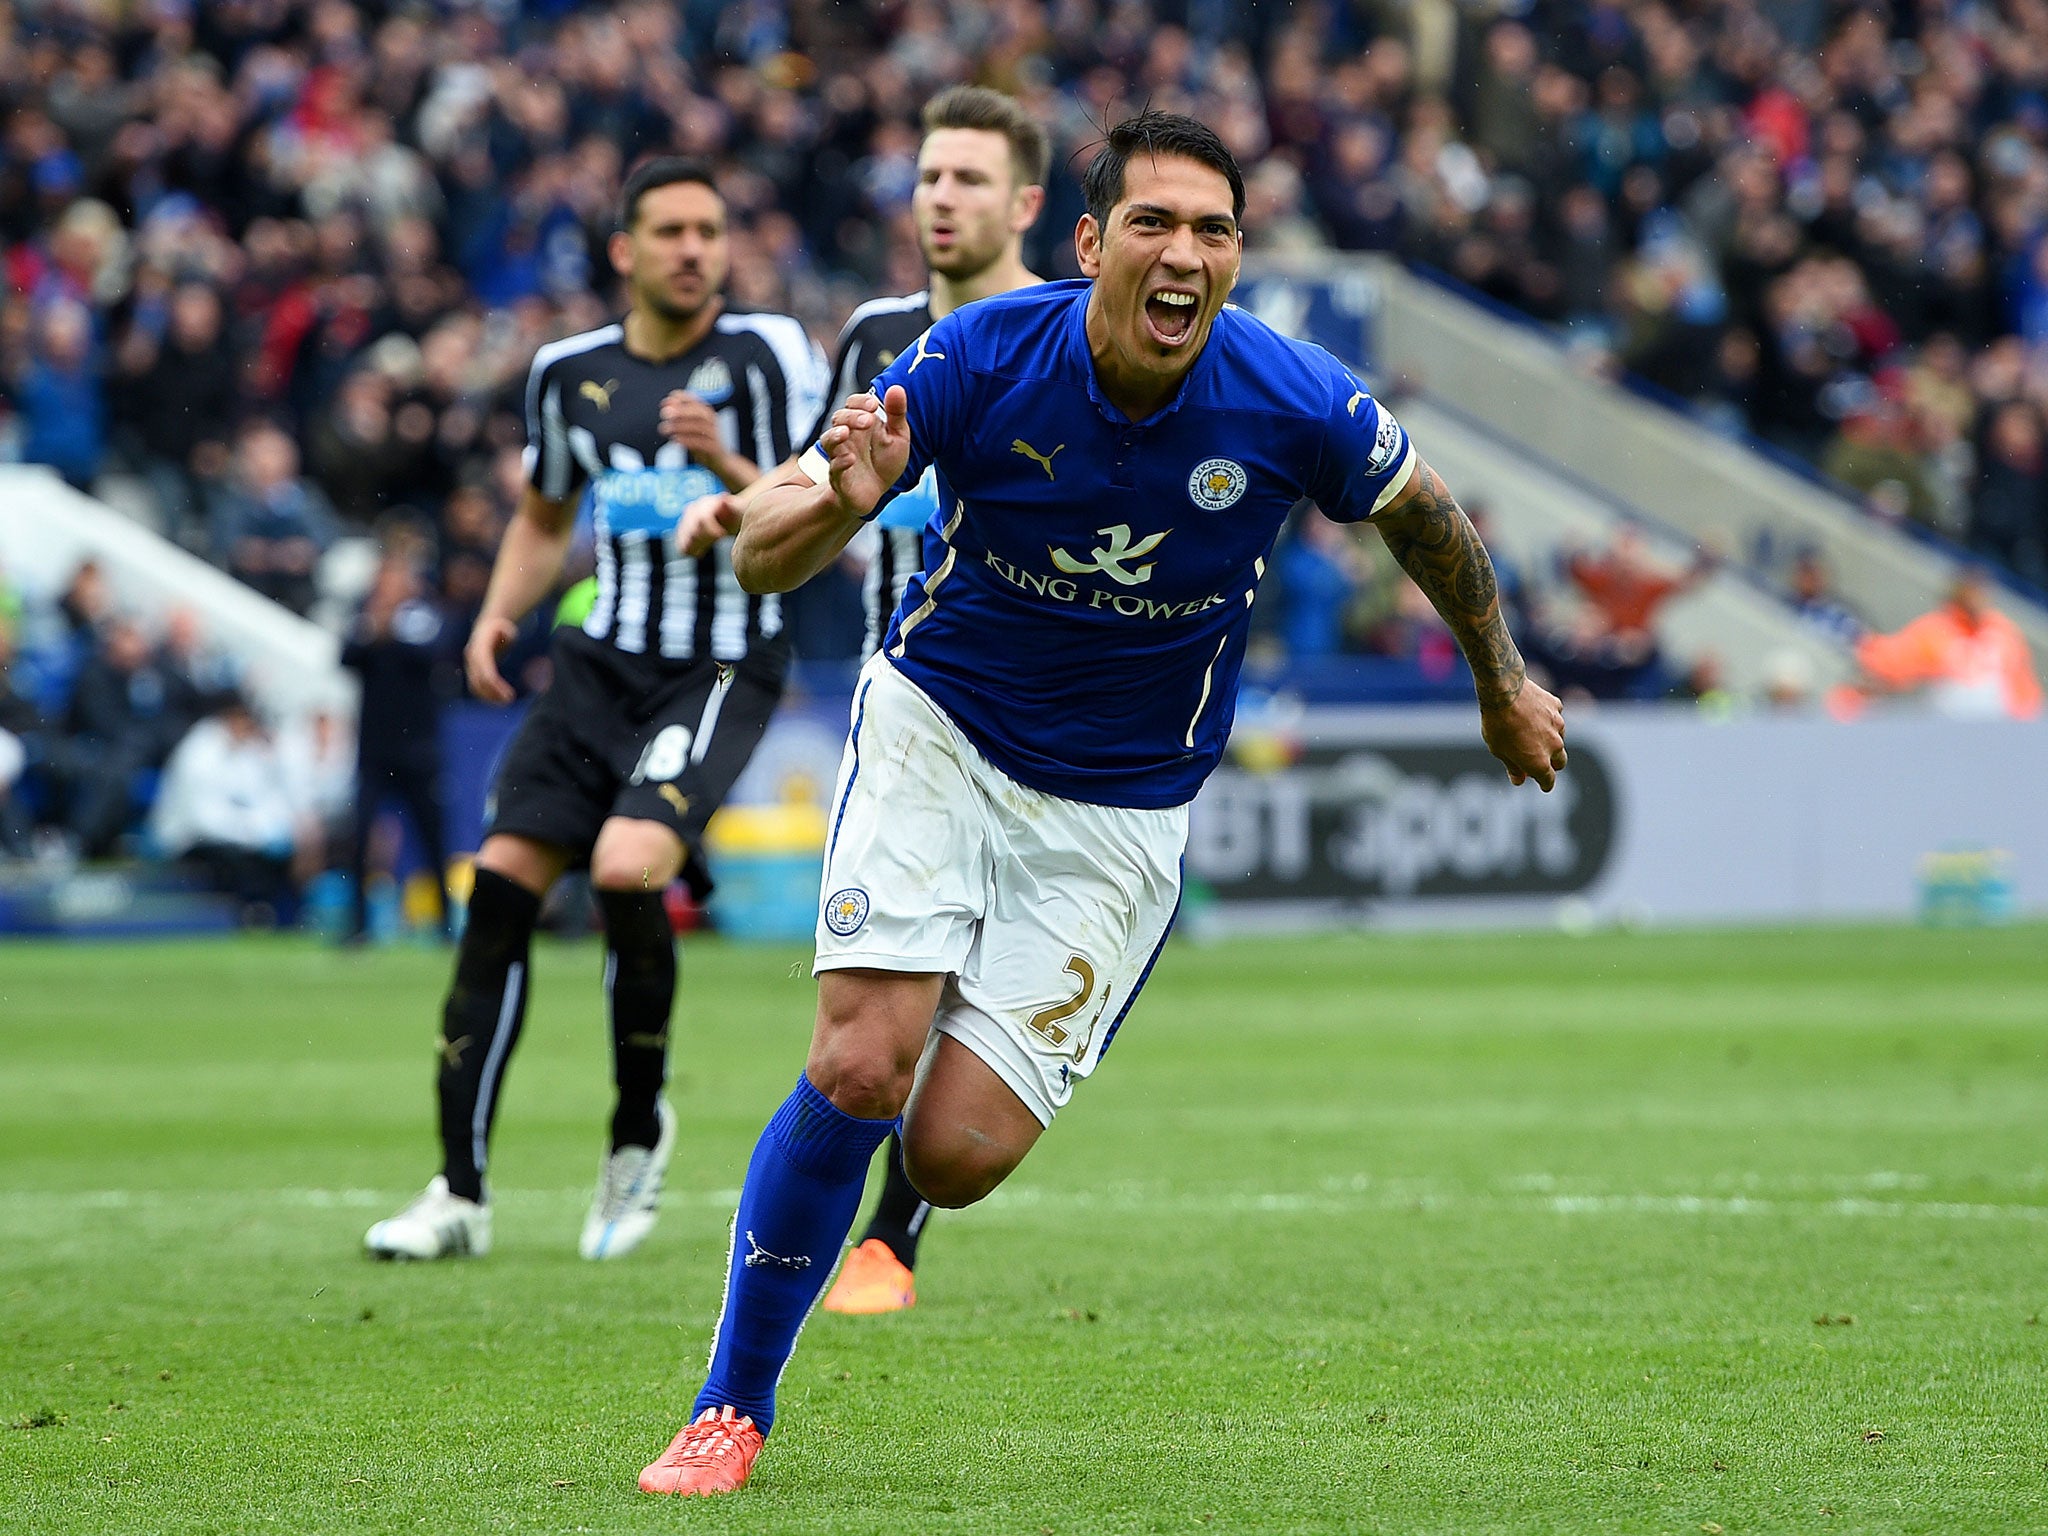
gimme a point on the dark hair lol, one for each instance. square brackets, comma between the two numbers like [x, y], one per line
[1155, 134]
[976, 106]
[661, 171]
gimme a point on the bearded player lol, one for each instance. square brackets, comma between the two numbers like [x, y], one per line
[659, 696]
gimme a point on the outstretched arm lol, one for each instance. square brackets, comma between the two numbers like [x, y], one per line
[1436, 544]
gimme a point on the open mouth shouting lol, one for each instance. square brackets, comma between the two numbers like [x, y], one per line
[1170, 315]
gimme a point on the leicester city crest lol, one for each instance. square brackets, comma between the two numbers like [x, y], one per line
[1216, 484]
[846, 910]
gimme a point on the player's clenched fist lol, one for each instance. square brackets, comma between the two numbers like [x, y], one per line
[867, 445]
[707, 520]
[487, 643]
[1527, 734]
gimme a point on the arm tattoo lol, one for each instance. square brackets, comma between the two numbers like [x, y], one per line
[1436, 544]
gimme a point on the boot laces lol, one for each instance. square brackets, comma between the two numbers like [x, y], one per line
[715, 1435]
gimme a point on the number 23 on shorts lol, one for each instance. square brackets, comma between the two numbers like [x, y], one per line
[1051, 1023]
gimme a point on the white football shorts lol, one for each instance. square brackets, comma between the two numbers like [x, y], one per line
[1044, 914]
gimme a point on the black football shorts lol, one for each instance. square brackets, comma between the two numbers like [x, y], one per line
[621, 735]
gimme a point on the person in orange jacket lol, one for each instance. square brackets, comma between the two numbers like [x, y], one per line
[1971, 659]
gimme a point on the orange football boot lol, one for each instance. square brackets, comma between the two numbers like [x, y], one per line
[714, 1454]
[872, 1280]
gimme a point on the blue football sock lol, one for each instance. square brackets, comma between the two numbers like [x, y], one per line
[803, 1189]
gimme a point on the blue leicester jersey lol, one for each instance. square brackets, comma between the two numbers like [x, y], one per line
[1088, 579]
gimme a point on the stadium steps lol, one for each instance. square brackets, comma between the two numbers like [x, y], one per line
[1535, 507]
[46, 529]
[1516, 380]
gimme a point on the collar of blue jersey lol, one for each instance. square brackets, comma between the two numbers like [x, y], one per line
[1077, 334]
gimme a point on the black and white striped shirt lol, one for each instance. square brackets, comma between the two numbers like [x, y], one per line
[894, 543]
[593, 417]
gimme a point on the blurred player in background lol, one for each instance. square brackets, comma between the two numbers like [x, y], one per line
[1116, 457]
[396, 647]
[658, 700]
[980, 186]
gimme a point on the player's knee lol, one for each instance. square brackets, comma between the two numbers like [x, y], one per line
[952, 1179]
[632, 865]
[864, 1083]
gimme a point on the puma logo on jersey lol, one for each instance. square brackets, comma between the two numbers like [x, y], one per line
[598, 394]
[760, 1258]
[1042, 460]
[923, 356]
[1351, 405]
[1111, 562]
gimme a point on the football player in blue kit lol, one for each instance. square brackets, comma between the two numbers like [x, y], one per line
[980, 185]
[1115, 459]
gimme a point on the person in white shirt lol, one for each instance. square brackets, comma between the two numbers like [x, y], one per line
[226, 809]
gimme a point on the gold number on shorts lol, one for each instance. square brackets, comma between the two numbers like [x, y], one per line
[1049, 1024]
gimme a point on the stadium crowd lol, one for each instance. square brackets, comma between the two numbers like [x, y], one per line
[278, 267]
[356, 220]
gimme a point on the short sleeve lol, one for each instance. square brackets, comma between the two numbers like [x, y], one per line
[933, 373]
[550, 467]
[846, 359]
[1366, 453]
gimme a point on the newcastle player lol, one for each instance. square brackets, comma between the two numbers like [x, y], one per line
[658, 698]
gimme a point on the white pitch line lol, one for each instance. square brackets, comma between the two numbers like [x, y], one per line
[1337, 1197]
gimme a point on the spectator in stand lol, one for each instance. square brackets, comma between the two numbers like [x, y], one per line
[1879, 449]
[1319, 569]
[2010, 520]
[471, 529]
[318, 751]
[61, 398]
[270, 527]
[357, 457]
[1966, 658]
[195, 678]
[225, 810]
[1813, 599]
[21, 725]
[178, 400]
[1764, 207]
[120, 724]
[402, 650]
[1626, 588]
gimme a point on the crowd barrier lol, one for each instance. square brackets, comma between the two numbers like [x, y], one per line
[1399, 818]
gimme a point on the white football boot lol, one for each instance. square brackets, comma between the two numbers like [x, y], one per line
[628, 1194]
[436, 1225]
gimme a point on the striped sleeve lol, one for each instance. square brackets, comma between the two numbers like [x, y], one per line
[845, 380]
[796, 382]
[550, 467]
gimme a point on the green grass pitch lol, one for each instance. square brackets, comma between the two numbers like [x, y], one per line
[1725, 1232]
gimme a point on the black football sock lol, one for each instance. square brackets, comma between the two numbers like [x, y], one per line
[640, 985]
[900, 1214]
[480, 1023]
